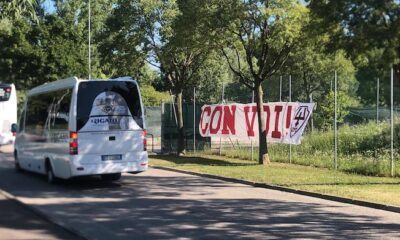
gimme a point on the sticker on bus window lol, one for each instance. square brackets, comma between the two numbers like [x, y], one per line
[110, 111]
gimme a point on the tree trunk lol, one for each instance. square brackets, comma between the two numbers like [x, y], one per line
[263, 157]
[181, 131]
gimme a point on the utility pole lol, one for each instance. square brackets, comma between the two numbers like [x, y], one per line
[89, 38]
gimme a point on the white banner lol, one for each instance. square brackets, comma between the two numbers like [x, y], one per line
[284, 121]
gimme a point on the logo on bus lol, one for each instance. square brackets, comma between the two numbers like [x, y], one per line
[108, 109]
[105, 120]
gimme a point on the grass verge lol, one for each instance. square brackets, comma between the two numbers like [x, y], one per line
[362, 149]
[381, 190]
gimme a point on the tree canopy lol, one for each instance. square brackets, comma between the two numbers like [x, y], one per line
[177, 45]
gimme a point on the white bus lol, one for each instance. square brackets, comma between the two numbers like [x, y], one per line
[75, 127]
[8, 112]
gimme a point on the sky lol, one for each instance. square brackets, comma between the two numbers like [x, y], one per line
[49, 6]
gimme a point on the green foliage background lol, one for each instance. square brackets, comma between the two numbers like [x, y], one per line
[180, 45]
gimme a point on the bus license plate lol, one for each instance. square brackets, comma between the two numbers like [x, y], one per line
[111, 157]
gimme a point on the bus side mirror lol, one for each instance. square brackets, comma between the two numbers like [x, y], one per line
[14, 129]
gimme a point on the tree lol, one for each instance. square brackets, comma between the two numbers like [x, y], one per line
[18, 56]
[313, 78]
[208, 80]
[13, 10]
[263, 34]
[158, 32]
[66, 33]
[326, 113]
[312, 68]
[151, 97]
[363, 29]
[54, 47]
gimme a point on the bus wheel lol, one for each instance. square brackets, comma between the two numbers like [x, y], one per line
[49, 173]
[16, 163]
[111, 177]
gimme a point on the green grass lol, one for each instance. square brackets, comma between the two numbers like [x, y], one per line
[382, 190]
[362, 149]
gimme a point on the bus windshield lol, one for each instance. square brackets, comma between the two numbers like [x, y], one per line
[5, 92]
[108, 105]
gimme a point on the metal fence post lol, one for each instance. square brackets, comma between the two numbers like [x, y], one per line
[377, 100]
[391, 124]
[290, 99]
[280, 89]
[89, 43]
[252, 145]
[222, 99]
[194, 119]
[335, 123]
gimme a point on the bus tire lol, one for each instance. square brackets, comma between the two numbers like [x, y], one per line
[16, 163]
[50, 173]
[111, 177]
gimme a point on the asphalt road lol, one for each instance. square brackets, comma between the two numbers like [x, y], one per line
[160, 204]
[18, 222]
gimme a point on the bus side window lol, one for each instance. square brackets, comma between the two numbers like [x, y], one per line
[36, 115]
[61, 108]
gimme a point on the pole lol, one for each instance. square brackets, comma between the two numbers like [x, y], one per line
[335, 122]
[290, 99]
[280, 89]
[222, 100]
[312, 119]
[90, 67]
[391, 124]
[377, 100]
[194, 119]
[252, 145]
[173, 106]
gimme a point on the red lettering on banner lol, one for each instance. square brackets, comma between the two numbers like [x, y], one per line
[276, 133]
[206, 110]
[267, 120]
[212, 129]
[250, 126]
[288, 116]
[229, 120]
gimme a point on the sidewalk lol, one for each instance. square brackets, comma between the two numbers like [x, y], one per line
[7, 149]
[19, 222]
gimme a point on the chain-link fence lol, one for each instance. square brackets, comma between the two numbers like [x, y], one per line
[193, 140]
[363, 140]
[153, 127]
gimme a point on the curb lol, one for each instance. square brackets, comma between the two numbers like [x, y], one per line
[289, 190]
[44, 216]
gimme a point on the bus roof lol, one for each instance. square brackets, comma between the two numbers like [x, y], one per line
[68, 83]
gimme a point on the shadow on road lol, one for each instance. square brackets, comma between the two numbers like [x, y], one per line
[155, 205]
[201, 161]
[17, 222]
